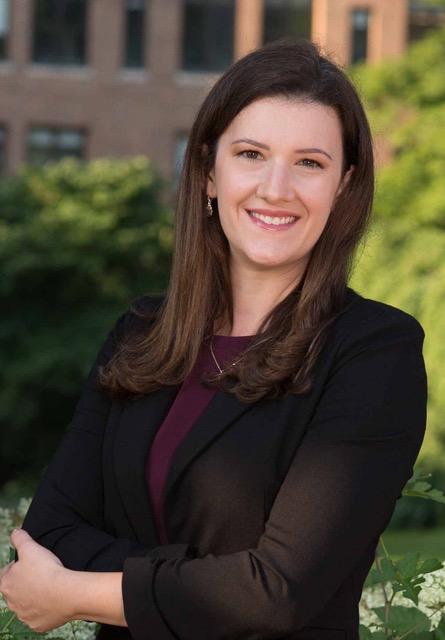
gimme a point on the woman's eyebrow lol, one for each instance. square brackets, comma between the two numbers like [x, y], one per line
[264, 146]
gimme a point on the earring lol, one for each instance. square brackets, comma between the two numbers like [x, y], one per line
[209, 207]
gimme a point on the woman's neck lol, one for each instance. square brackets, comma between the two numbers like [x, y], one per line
[254, 295]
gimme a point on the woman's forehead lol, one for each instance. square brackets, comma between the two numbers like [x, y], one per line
[280, 120]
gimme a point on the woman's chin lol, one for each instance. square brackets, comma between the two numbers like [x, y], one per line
[268, 261]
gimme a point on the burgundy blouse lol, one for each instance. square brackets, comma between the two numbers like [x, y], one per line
[188, 405]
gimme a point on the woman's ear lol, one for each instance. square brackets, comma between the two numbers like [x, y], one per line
[344, 181]
[210, 182]
[211, 186]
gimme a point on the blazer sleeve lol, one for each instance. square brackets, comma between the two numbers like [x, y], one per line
[337, 498]
[66, 513]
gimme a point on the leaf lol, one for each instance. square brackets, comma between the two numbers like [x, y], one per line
[387, 570]
[412, 593]
[364, 632]
[374, 577]
[407, 566]
[429, 565]
[434, 494]
[418, 487]
[402, 620]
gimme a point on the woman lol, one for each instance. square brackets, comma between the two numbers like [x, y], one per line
[240, 443]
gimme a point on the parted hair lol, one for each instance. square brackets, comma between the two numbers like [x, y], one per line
[280, 359]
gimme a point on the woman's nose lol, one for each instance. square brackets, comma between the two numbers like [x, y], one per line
[276, 184]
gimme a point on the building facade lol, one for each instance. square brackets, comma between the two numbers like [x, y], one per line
[116, 78]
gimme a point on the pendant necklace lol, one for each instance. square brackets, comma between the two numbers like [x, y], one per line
[216, 361]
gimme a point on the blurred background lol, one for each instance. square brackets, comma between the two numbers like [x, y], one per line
[96, 101]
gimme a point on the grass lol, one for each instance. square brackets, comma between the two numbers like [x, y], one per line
[430, 543]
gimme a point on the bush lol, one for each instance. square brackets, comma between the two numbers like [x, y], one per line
[402, 262]
[77, 243]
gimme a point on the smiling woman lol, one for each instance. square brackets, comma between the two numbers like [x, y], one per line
[281, 134]
[240, 443]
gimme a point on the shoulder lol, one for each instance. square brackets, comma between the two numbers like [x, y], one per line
[364, 312]
[374, 382]
[138, 316]
[366, 322]
[146, 306]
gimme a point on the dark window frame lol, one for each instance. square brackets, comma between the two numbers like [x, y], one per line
[56, 130]
[359, 50]
[5, 39]
[135, 58]
[60, 58]
[199, 37]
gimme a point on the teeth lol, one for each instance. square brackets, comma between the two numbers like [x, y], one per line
[272, 220]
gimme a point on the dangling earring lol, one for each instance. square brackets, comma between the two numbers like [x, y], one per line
[209, 207]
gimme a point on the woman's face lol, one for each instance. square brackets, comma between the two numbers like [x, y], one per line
[277, 172]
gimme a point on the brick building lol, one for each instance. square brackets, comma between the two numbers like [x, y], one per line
[94, 78]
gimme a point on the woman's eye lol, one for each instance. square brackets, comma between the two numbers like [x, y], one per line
[312, 164]
[249, 154]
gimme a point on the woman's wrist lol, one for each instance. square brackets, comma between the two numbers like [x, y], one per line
[92, 596]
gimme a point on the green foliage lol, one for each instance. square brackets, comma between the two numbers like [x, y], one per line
[11, 628]
[406, 577]
[402, 261]
[77, 243]
[418, 487]
[402, 581]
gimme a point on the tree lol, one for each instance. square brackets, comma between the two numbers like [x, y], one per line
[77, 243]
[402, 262]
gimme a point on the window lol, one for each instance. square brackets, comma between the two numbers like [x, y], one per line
[4, 28]
[359, 35]
[207, 43]
[51, 144]
[134, 33]
[59, 32]
[423, 18]
[180, 147]
[2, 150]
[286, 18]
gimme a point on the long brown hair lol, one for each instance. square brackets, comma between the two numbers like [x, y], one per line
[281, 357]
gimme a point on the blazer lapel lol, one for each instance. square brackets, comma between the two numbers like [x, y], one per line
[139, 421]
[222, 410]
[137, 427]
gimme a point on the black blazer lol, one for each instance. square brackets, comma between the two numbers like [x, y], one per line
[273, 509]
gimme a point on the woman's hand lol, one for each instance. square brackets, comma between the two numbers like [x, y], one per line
[32, 585]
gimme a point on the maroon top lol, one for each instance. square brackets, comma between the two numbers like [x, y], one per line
[188, 405]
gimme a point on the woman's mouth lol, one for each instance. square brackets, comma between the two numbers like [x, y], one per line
[274, 223]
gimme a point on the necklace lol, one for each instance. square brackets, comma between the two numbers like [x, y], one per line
[216, 361]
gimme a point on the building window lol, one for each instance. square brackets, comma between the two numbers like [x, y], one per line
[423, 18]
[180, 147]
[286, 18]
[134, 33]
[4, 28]
[207, 41]
[59, 32]
[359, 35]
[2, 150]
[52, 144]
